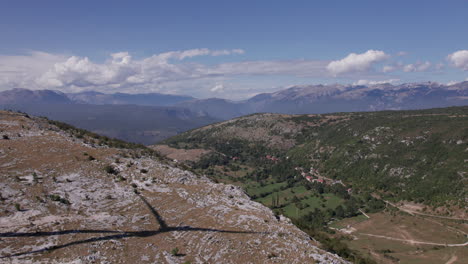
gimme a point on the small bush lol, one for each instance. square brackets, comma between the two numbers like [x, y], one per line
[111, 170]
[18, 207]
[57, 198]
[175, 251]
[120, 178]
[144, 171]
[5, 137]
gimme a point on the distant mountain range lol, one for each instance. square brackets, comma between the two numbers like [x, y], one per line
[172, 114]
[140, 118]
[339, 98]
[149, 99]
[24, 96]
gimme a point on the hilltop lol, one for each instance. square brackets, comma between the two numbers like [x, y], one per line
[68, 195]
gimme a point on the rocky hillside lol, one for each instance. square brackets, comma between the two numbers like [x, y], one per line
[68, 195]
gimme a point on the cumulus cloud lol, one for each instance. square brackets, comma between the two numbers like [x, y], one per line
[48, 71]
[159, 72]
[20, 71]
[81, 72]
[176, 72]
[417, 67]
[370, 82]
[459, 59]
[356, 62]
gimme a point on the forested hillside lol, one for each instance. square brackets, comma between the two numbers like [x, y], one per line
[327, 171]
[400, 155]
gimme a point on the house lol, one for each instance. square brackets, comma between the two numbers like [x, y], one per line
[309, 178]
[273, 158]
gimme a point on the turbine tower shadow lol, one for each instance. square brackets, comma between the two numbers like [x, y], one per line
[163, 228]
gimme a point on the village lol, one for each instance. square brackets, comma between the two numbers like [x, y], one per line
[313, 175]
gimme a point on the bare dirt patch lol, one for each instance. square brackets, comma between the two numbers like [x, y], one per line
[180, 154]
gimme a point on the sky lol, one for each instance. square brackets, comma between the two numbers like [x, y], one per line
[229, 49]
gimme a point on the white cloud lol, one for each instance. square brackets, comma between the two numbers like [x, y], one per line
[217, 88]
[159, 72]
[356, 62]
[417, 67]
[369, 82]
[173, 72]
[20, 71]
[388, 68]
[302, 68]
[459, 59]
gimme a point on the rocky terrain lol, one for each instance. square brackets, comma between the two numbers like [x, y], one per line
[68, 196]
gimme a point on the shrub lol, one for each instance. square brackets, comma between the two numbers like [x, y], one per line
[111, 170]
[5, 137]
[175, 251]
[57, 198]
[120, 178]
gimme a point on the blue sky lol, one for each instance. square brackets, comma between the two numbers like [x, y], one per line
[233, 49]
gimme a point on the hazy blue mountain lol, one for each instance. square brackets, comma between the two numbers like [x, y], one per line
[339, 98]
[218, 108]
[140, 124]
[25, 96]
[152, 99]
[147, 118]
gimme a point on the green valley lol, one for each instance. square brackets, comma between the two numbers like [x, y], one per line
[320, 170]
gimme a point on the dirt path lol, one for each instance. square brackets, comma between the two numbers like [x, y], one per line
[364, 213]
[416, 242]
[446, 226]
[411, 212]
[452, 260]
